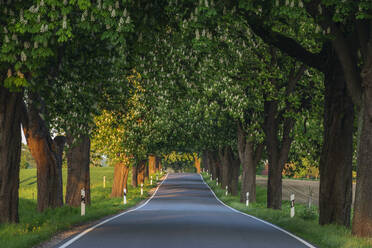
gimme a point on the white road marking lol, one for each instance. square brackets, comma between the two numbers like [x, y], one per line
[265, 222]
[110, 219]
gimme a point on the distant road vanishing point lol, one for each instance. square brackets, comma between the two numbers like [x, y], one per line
[183, 213]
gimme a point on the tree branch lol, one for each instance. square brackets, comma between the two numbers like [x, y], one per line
[285, 44]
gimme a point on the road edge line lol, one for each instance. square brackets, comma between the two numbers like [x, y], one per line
[110, 219]
[263, 221]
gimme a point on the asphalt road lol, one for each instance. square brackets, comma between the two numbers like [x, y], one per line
[183, 212]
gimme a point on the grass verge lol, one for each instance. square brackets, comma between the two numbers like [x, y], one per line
[35, 227]
[304, 224]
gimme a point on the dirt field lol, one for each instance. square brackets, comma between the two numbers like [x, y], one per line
[301, 188]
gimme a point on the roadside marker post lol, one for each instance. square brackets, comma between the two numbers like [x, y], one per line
[141, 189]
[227, 187]
[82, 202]
[104, 181]
[247, 199]
[157, 178]
[217, 181]
[211, 177]
[292, 205]
[125, 196]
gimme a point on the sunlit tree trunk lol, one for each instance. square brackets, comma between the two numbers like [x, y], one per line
[120, 180]
[46, 154]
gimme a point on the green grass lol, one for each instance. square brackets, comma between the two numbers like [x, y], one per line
[35, 227]
[304, 224]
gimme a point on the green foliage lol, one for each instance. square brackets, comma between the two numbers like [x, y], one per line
[309, 213]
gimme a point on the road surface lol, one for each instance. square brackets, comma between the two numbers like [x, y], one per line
[183, 213]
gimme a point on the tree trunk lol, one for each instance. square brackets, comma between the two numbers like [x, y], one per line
[60, 145]
[362, 221]
[335, 194]
[46, 154]
[249, 160]
[146, 171]
[78, 175]
[152, 165]
[10, 154]
[120, 180]
[234, 179]
[214, 167]
[158, 164]
[278, 151]
[274, 185]
[141, 171]
[197, 164]
[135, 176]
[225, 158]
[208, 162]
[204, 161]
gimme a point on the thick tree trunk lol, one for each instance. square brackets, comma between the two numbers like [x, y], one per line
[278, 151]
[249, 160]
[60, 145]
[141, 172]
[362, 221]
[197, 164]
[215, 168]
[147, 176]
[274, 183]
[225, 155]
[335, 194]
[274, 189]
[158, 164]
[152, 165]
[204, 161]
[120, 180]
[234, 179]
[78, 175]
[46, 154]
[135, 176]
[10, 153]
[209, 162]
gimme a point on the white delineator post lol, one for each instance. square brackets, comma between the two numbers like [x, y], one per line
[151, 180]
[125, 196]
[82, 202]
[217, 181]
[141, 188]
[227, 187]
[247, 199]
[157, 178]
[292, 205]
[104, 181]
